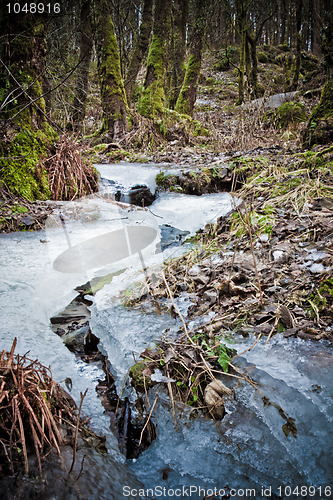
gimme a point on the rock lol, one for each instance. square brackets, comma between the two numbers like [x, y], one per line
[27, 220]
[171, 236]
[141, 196]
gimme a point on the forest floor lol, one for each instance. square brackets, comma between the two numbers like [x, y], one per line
[266, 268]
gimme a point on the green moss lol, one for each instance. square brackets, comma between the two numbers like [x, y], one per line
[320, 125]
[262, 57]
[160, 179]
[184, 104]
[114, 102]
[198, 182]
[19, 161]
[289, 114]
[199, 129]
[321, 300]
[152, 100]
[284, 47]
[225, 61]
[139, 380]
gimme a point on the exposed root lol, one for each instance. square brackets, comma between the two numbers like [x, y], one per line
[144, 134]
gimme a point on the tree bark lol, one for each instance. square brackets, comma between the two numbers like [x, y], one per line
[25, 134]
[186, 100]
[141, 48]
[152, 101]
[241, 13]
[297, 63]
[178, 48]
[320, 125]
[315, 28]
[82, 79]
[254, 66]
[113, 97]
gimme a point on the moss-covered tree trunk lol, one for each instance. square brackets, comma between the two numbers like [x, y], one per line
[152, 101]
[82, 77]
[315, 26]
[241, 13]
[25, 133]
[140, 49]
[178, 48]
[297, 61]
[254, 66]
[320, 125]
[186, 100]
[113, 97]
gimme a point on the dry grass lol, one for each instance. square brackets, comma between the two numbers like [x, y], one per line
[70, 175]
[32, 406]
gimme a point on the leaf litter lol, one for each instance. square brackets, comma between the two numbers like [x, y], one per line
[266, 269]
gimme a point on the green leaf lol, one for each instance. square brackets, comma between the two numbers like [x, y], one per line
[223, 357]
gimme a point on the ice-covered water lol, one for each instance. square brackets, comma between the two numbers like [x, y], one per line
[248, 449]
[126, 175]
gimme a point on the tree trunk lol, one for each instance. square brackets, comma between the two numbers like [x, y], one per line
[297, 62]
[254, 68]
[242, 28]
[178, 48]
[141, 48]
[113, 97]
[283, 23]
[315, 31]
[152, 101]
[320, 125]
[25, 135]
[82, 78]
[186, 100]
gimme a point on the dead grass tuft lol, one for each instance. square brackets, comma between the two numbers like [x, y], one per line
[70, 175]
[32, 406]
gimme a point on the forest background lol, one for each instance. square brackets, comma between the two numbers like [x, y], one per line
[108, 71]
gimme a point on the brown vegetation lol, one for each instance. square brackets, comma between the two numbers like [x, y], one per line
[32, 409]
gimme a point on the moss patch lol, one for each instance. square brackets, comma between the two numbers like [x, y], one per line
[289, 114]
[196, 182]
[19, 160]
[321, 300]
[152, 100]
[139, 380]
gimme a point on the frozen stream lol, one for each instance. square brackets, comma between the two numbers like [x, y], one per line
[248, 448]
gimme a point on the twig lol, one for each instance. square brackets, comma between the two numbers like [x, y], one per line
[272, 329]
[176, 308]
[148, 419]
[253, 254]
[77, 430]
[249, 349]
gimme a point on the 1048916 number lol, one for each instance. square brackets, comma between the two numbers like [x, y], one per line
[33, 8]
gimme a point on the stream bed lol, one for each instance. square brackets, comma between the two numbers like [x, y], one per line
[247, 454]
